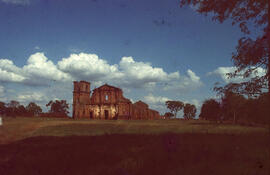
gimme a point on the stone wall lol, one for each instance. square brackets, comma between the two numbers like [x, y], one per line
[140, 111]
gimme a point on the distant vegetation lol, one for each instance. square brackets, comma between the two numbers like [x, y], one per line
[237, 108]
[57, 108]
[176, 106]
[231, 107]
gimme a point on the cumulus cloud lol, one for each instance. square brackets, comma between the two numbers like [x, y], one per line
[39, 67]
[141, 71]
[38, 71]
[18, 2]
[141, 74]
[223, 71]
[185, 83]
[159, 100]
[9, 72]
[88, 67]
[128, 73]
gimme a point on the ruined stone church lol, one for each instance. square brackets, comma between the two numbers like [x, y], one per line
[107, 102]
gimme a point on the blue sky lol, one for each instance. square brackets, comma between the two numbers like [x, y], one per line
[154, 50]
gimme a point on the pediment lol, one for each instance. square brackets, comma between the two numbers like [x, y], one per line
[108, 87]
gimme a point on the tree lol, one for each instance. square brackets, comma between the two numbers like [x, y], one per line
[263, 108]
[58, 107]
[12, 108]
[251, 55]
[211, 110]
[168, 115]
[250, 112]
[33, 109]
[189, 111]
[2, 108]
[21, 111]
[174, 106]
[233, 105]
[13, 104]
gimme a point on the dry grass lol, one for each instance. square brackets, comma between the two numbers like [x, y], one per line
[18, 128]
[29, 146]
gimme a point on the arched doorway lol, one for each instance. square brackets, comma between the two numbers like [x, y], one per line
[106, 113]
[91, 114]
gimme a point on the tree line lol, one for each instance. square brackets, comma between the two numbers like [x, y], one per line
[237, 108]
[189, 110]
[57, 108]
[230, 107]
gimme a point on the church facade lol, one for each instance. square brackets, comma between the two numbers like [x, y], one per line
[107, 102]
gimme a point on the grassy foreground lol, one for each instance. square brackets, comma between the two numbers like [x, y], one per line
[14, 129]
[63, 146]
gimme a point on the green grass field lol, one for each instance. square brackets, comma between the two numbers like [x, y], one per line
[66, 146]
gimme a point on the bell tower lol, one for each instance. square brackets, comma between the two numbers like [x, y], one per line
[81, 97]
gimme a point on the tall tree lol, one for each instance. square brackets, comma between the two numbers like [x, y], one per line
[13, 104]
[211, 110]
[33, 109]
[189, 111]
[58, 107]
[233, 105]
[2, 108]
[12, 108]
[251, 54]
[21, 111]
[263, 109]
[174, 106]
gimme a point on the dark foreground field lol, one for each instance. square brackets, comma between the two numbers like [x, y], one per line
[128, 154]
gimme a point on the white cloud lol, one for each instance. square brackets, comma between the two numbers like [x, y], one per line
[9, 72]
[222, 73]
[57, 78]
[193, 77]
[38, 66]
[141, 74]
[19, 2]
[141, 71]
[185, 83]
[88, 67]
[10, 76]
[128, 73]
[156, 102]
[151, 99]
[27, 97]
[39, 70]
